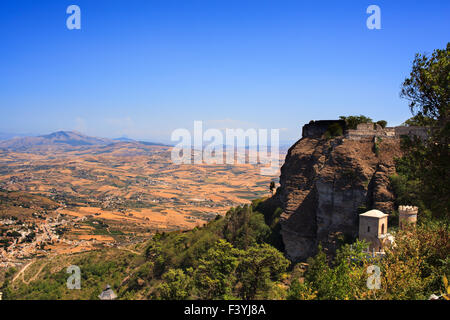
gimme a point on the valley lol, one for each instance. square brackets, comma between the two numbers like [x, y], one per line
[74, 197]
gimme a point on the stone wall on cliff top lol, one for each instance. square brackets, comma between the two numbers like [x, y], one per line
[324, 184]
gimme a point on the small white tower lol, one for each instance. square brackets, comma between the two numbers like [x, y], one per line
[373, 228]
[407, 215]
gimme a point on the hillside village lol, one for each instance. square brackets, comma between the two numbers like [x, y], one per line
[22, 241]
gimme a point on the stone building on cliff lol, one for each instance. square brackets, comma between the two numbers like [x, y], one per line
[326, 181]
[373, 227]
[315, 129]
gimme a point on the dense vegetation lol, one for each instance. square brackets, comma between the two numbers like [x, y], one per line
[424, 171]
[234, 257]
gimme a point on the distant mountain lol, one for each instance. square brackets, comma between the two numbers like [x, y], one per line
[69, 140]
[75, 139]
[124, 139]
[147, 143]
[56, 139]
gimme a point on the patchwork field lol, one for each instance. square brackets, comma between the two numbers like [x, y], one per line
[121, 192]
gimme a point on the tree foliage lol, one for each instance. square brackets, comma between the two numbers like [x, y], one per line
[353, 121]
[427, 162]
[215, 274]
[177, 285]
[382, 123]
[427, 88]
[259, 266]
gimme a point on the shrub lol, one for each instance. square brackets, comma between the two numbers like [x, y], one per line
[300, 291]
[382, 123]
[334, 130]
[353, 121]
[176, 286]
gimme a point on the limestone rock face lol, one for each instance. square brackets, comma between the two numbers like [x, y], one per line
[324, 184]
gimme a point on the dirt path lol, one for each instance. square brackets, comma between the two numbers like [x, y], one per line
[129, 250]
[36, 275]
[22, 271]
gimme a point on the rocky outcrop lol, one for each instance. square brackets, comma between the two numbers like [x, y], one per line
[325, 184]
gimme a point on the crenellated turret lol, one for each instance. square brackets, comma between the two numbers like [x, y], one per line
[407, 215]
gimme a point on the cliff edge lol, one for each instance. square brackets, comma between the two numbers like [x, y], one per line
[326, 183]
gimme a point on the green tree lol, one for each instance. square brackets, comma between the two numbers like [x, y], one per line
[245, 227]
[259, 266]
[300, 291]
[344, 279]
[353, 121]
[215, 275]
[420, 121]
[334, 130]
[427, 88]
[428, 91]
[413, 268]
[177, 285]
[382, 123]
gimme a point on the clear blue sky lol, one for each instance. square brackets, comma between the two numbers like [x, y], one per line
[145, 68]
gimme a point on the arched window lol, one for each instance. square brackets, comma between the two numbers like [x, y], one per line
[368, 229]
[382, 228]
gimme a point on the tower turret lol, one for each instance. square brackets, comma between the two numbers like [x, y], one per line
[407, 215]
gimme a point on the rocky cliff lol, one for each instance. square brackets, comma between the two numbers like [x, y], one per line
[325, 184]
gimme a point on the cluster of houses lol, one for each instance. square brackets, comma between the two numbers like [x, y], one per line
[23, 240]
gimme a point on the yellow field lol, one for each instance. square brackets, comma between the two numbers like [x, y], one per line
[135, 189]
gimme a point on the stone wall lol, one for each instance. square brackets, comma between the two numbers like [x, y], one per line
[369, 131]
[316, 129]
[421, 132]
[370, 134]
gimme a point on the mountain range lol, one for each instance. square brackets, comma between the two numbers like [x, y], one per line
[61, 139]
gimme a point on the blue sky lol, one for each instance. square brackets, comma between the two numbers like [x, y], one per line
[144, 68]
